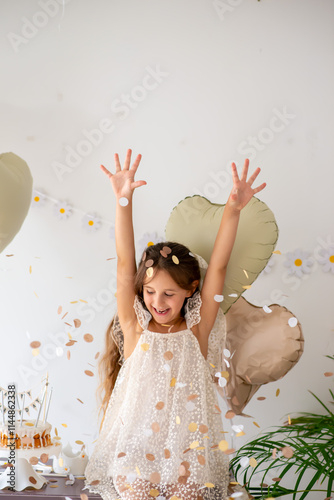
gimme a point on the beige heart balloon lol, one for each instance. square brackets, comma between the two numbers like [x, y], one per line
[15, 196]
[195, 221]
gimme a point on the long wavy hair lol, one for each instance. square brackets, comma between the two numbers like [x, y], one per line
[184, 271]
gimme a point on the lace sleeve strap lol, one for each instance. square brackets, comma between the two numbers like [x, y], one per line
[116, 333]
[192, 310]
[143, 316]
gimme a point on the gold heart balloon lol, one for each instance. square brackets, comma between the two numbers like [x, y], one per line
[195, 221]
[15, 196]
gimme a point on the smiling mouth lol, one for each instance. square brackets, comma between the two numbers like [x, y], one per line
[161, 312]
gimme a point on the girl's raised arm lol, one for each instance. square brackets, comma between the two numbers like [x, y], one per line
[123, 184]
[213, 283]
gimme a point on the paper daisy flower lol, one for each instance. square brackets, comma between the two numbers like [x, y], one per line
[91, 222]
[147, 240]
[327, 259]
[299, 262]
[62, 210]
[38, 198]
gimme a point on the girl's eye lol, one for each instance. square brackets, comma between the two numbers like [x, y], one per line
[149, 292]
[168, 295]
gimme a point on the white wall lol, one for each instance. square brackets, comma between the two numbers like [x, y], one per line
[227, 71]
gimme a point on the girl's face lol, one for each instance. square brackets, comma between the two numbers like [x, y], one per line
[163, 297]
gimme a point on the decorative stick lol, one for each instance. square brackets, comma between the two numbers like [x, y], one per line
[47, 410]
[37, 419]
[3, 409]
[24, 396]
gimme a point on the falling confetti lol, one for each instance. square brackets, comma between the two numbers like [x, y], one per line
[278, 252]
[77, 323]
[229, 414]
[175, 259]
[88, 337]
[218, 298]
[293, 322]
[233, 295]
[287, 452]
[244, 462]
[247, 287]
[227, 353]
[267, 309]
[252, 462]
[261, 398]
[328, 374]
[32, 480]
[164, 254]
[44, 458]
[278, 392]
[223, 445]
[246, 274]
[68, 354]
[149, 272]
[33, 460]
[123, 201]
[149, 263]
[256, 424]
[89, 373]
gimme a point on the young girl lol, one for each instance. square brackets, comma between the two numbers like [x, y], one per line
[162, 435]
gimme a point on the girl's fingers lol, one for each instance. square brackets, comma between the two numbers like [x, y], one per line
[117, 163]
[137, 184]
[253, 176]
[127, 160]
[136, 163]
[106, 171]
[244, 170]
[235, 176]
[256, 190]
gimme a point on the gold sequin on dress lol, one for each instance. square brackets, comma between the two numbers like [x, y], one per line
[162, 436]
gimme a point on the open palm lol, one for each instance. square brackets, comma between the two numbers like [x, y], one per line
[122, 181]
[242, 190]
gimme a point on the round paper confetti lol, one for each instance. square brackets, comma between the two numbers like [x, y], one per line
[160, 405]
[32, 480]
[229, 414]
[227, 353]
[201, 459]
[35, 352]
[149, 272]
[328, 374]
[177, 419]
[203, 428]
[252, 462]
[194, 445]
[150, 457]
[163, 254]
[218, 298]
[155, 478]
[293, 322]
[149, 263]
[35, 344]
[267, 309]
[209, 485]
[33, 460]
[89, 373]
[155, 427]
[83, 496]
[59, 351]
[222, 382]
[175, 259]
[88, 337]
[167, 250]
[168, 355]
[223, 445]
[192, 427]
[95, 482]
[244, 462]
[44, 458]
[144, 346]
[167, 453]
[238, 428]
[123, 201]
[287, 452]
[77, 323]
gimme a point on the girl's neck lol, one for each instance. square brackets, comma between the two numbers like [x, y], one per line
[170, 327]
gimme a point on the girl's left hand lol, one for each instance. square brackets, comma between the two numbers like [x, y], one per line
[242, 190]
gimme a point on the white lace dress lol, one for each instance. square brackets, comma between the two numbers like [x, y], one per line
[162, 435]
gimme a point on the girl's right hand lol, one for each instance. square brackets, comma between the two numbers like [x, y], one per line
[122, 181]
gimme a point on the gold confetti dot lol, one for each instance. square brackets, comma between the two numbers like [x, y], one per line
[278, 252]
[145, 347]
[35, 352]
[33, 460]
[193, 445]
[61, 462]
[287, 452]
[122, 454]
[167, 453]
[175, 259]
[80, 401]
[225, 374]
[173, 382]
[96, 355]
[177, 419]
[89, 373]
[29, 424]
[77, 323]
[95, 482]
[83, 496]
[54, 485]
[252, 462]
[278, 392]
[246, 274]
[203, 428]
[35, 344]
[223, 445]
[150, 457]
[256, 424]
[328, 374]
[30, 269]
[160, 405]
[155, 427]
[217, 408]
[64, 425]
[155, 477]
[78, 441]
[168, 355]
[70, 343]
[192, 427]
[229, 414]
[149, 272]
[201, 459]
[209, 485]
[154, 493]
[57, 438]
[88, 337]
[247, 287]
